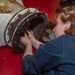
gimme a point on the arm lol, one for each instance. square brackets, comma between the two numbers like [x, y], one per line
[26, 41]
[45, 58]
[36, 43]
[28, 50]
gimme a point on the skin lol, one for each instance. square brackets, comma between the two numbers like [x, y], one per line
[29, 40]
[60, 27]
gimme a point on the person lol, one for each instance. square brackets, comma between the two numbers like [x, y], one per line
[56, 57]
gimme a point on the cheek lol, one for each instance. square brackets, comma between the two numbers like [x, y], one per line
[60, 27]
[58, 30]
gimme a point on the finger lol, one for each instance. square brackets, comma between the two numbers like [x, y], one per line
[26, 35]
[28, 32]
[32, 32]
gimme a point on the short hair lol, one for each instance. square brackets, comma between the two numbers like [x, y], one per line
[67, 14]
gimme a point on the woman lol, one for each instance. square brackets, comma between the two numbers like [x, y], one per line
[56, 57]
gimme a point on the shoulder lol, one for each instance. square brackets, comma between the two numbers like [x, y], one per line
[59, 41]
[56, 45]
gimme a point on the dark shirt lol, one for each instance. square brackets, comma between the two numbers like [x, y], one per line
[56, 57]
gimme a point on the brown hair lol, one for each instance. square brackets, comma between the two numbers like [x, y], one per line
[67, 14]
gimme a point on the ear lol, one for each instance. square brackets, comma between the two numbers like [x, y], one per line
[68, 24]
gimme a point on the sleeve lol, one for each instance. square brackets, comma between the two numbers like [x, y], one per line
[45, 58]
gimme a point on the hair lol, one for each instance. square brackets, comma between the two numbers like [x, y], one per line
[67, 14]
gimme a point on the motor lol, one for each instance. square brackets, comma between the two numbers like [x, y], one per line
[15, 19]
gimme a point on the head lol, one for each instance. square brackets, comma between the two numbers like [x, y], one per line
[65, 21]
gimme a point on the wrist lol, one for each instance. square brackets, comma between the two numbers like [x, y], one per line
[26, 44]
[36, 44]
[28, 50]
[29, 44]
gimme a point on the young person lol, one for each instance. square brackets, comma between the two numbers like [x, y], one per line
[56, 57]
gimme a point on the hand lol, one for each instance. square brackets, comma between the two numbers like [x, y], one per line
[31, 36]
[25, 40]
[34, 41]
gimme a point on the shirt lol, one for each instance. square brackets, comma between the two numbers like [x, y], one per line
[56, 57]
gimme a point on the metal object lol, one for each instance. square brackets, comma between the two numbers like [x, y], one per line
[50, 36]
[15, 23]
[38, 24]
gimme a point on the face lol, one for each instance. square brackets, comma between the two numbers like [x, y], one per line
[59, 28]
